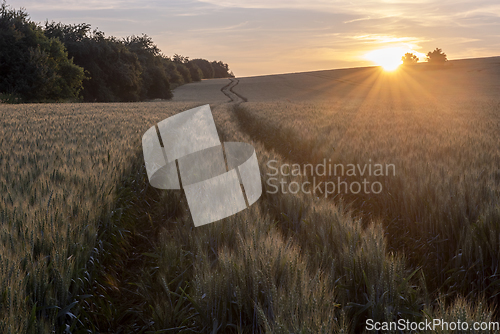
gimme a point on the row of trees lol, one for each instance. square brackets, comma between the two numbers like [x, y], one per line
[59, 61]
[435, 57]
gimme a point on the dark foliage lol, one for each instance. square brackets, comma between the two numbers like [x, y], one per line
[436, 57]
[221, 70]
[34, 67]
[155, 78]
[56, 61]
[114, 71]
[206, 68]
[409, 59]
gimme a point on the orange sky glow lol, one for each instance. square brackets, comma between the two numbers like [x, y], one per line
[278, 36]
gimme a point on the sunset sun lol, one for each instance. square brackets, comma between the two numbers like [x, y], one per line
[389, 59]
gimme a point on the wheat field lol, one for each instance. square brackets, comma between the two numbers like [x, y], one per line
[89, 246]
[61, 165]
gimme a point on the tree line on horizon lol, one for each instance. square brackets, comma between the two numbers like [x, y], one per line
[436, 57]
[60, 62]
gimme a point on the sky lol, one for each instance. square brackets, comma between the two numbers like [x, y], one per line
[282, 36]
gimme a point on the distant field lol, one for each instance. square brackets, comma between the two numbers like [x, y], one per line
[205, 91]
[425, 247]
[478, 77]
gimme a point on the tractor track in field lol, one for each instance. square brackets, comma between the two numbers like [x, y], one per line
[129, 250]
[229, 92]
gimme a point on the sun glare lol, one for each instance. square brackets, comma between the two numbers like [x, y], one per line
[389, 58]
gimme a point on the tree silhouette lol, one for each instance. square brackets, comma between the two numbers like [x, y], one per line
[409, 59]
[436, 57]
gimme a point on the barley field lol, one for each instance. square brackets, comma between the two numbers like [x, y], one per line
[89, 246]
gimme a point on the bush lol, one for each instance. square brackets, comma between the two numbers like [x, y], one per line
[436, 57]
[409, 59]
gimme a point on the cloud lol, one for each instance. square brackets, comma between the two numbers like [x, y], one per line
[176, 7]
[425, 11]
[72, 5]
[223, 28]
